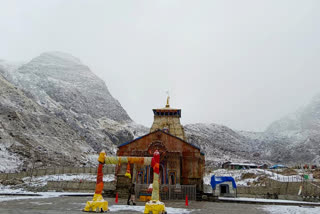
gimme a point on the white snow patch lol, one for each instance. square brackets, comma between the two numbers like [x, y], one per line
[8, 190]
[42, 195]
[42, 180]
[283, 178]
[291, 209]
[237, 174]
[267, 200]
[115, 208]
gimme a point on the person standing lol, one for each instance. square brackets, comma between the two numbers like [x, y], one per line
[132, 196]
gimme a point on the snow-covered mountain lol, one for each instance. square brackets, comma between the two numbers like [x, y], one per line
[29, 133]
[67, 88]
[55, 105]
[6, 68]
[296, 137]
[306, 120]
[221, 144]
[71, 109]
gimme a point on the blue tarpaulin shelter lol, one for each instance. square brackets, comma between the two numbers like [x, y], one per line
[218, 180]
[278, 166]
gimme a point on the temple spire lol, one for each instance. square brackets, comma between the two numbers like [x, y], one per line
[168, 119]
[168, 99]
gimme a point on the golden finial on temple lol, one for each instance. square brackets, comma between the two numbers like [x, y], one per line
[168, 99]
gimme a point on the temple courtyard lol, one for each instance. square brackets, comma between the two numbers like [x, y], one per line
[75, 204]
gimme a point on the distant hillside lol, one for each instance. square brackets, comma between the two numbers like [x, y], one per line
[59, 85]
[62, 84]
[30, 133]
[296, 137]
[221, 144]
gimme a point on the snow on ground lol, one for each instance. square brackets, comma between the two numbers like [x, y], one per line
[9, 190]
[41, 195]
[115, 208]
[42, 180]
[237, 174]
[283, 178]
[291, 209]
[263, 200]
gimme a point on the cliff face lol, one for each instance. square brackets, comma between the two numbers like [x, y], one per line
[55, 110]
[30, 134]
[61, 81]
[68, 89]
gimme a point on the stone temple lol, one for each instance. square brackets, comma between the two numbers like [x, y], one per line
[181, 163]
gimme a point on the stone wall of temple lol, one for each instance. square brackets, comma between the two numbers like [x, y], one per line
[172, 123]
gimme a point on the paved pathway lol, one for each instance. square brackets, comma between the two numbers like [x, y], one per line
[72, 205]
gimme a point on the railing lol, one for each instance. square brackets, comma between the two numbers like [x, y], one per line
[169, 192]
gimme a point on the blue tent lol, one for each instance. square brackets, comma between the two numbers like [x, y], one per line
[218, 180]
[278, 166]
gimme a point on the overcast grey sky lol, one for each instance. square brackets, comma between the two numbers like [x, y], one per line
[239, 63]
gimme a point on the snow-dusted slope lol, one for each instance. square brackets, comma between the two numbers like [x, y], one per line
[6, 68]
[59, 80]
[306, 120]
[29, 133]
[54, 110]
[220, 143]
[294, 138]
[62, 84]
[65, 90]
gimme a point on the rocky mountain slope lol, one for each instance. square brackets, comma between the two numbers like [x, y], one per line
[69, 108]
[29, 134]
[6, 68]
[296, 137]
[54, 106]
[67, 88]
[221, 144]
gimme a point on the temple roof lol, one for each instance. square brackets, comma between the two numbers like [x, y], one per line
[167, 111]
[126, 143]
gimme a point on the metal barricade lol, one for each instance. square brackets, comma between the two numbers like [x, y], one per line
[169, 192]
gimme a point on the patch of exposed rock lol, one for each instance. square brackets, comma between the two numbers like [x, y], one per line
[30, 135]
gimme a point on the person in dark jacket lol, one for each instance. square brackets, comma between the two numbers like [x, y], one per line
[132, 196]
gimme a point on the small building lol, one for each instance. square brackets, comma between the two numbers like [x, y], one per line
[223, 186]
[231, 165]
[181, 163]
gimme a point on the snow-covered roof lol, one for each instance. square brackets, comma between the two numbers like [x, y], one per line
[242, 164]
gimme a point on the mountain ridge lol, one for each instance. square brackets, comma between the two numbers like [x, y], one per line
[66, 90]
